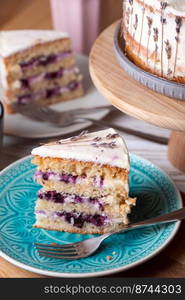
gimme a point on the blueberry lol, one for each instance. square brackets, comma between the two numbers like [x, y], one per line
[68, 217]
[25, 83]
[40, 196]
[73, 85]
[48, 195]
[101, 181]
[78, 199]
[44, 60]
[45, 176]
[59, 214]
[29, 63]
[78, 223]
[58, 198]
[24, 99]
[52, 92]
[98, 220]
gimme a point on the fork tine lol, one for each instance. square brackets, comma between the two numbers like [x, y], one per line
[55, 252]
[48, 114]
[60, 250]
[55, 245]
[48, 109]
[61, 257]
[81, 110]
[31, 115]
[40, 114]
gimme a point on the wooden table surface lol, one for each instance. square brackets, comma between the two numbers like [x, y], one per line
[171, 261]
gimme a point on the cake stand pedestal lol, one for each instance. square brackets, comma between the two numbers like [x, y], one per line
[136, 100]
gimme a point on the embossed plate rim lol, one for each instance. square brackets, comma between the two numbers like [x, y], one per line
[99, 273]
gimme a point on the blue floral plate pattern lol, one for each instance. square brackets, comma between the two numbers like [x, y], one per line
[156, 195]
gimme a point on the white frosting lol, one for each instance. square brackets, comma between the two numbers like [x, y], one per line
[162, 64]
[176, 7]
[84, 150]
[14, 41]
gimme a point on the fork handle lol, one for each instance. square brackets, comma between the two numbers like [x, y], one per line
[147, 136]
[173, 216]
[95, 109]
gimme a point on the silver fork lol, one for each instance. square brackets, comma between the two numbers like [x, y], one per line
[49, 115]
[86, 248]
[72, 117]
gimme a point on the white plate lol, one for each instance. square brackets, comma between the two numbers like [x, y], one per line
[18, 125]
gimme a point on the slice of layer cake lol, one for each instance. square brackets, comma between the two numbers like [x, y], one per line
[37, 66]
[85, 183]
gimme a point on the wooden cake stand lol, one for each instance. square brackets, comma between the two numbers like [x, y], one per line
[136, 100]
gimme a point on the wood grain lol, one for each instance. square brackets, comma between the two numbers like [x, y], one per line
[25, 14]
[177, 149]
[127, 94]
[111, 11]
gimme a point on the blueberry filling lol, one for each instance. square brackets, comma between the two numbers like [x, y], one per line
[78, 219]
[24, 99]
[53, 75]
[73, 85]
[44, 60]
[68, 178]
[45, 176]
[48, 93]
[53, 92]
[64, 197]
[27, 82]
[99, 181]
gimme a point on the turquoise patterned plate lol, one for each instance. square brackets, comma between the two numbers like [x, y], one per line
[156, 195]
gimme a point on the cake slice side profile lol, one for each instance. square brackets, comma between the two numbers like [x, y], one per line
[37, 66]
[84, 183]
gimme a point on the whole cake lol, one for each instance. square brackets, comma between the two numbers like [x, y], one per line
[154, 34]
[85, 183]
[37, 66]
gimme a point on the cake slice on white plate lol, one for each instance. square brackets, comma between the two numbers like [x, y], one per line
[37, 66]
[85, 183]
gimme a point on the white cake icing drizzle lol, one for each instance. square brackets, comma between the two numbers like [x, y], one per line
[13, 41]
[104, 147]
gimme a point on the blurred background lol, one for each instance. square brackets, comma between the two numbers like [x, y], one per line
[83, 19]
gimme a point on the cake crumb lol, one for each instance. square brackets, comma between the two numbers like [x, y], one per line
[109, 257]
